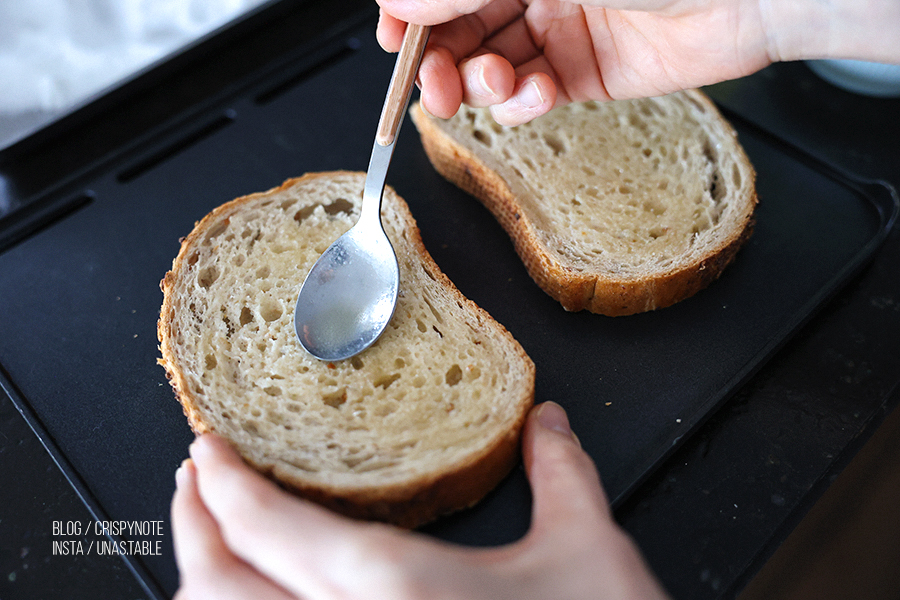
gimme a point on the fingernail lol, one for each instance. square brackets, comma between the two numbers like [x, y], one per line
[198, 448]
[552, 416]
[183, 473]
[530, 95]
[479, 83]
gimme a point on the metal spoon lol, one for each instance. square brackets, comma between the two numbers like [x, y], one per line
[350, 294]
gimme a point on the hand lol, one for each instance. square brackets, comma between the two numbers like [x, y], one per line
[237, 535]
[523, 57]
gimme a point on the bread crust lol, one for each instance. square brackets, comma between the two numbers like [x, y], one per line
[409, 503]
[597, 292]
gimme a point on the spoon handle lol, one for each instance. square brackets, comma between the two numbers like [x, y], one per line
[401, 83]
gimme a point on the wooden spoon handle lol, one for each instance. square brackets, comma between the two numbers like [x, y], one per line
[401, 83]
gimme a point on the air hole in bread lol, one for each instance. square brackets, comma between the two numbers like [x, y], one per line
[217, 229]
[210, 362]
[251, 428]
[301, 464]
[658, 232]
[434, 311]
[335, 399]
[304, 213]
[270, 309]
[356, 362]
[453, 375]
[635, 121]
[246, 316]
[192, 259]
[555, 144]
[710, 153]
[482, 137]
[339, 206]
[377, 465]
[354, 461]
[438, 331]
[263, 272]
[421, 326]
[716, 189]
[229, 327]
[272, 390]
[385, 409]
[654, 206]
[699, 106]
[288, 203]
[701, 221]
[385, 381]
[208, 276]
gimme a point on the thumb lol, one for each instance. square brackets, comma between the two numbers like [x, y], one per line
[564, 482]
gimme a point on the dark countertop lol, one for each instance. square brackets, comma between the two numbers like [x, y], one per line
[712, 514]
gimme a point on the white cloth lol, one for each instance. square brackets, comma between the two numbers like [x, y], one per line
[55, 54]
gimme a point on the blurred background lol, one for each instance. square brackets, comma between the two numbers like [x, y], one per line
[56, 55]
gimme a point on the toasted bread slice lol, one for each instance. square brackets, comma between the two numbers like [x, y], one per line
[615, 207]
[424, 422]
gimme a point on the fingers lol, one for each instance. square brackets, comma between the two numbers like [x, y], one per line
[533, 96]
[389, 32]
[487, 80]
[565, 486]
[301, 546]
[207, 567]
[432, 13]
[485, 59]
[440, 83]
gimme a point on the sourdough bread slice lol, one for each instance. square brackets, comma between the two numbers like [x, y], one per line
[424, 422]
[615, 207]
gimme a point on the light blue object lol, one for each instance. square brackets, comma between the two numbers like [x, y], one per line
[861, 77]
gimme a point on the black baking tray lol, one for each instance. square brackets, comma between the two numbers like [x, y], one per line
[79, 294]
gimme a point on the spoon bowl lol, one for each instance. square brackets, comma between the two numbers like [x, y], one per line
[349, 296]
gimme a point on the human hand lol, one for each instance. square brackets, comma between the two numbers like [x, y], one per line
[523, 57]
[237, 535]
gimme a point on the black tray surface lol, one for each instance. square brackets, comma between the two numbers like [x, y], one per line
[80, 298]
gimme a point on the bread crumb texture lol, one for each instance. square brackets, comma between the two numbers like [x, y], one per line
[440, 397]
[611, 193]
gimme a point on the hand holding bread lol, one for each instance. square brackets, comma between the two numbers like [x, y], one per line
[238, 536]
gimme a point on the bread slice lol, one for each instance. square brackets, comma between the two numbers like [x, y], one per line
[615, 207]
[424, 422]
